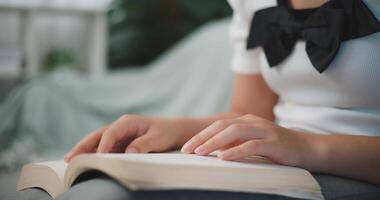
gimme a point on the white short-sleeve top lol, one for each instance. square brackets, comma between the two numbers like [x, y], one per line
[344, 99]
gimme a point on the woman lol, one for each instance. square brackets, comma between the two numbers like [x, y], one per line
[305, 94]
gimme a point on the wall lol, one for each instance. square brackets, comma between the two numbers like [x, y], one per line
[53, 30]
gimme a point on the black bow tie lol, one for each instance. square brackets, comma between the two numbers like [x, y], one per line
[277, 29]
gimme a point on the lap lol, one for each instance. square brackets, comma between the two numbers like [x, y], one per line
[101, 188]
[30, 194]
[104, 188]
[339, 188]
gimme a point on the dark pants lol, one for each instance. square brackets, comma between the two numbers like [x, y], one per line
[103, 188]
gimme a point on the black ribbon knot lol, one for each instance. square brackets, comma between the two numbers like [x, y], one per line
[277, 30]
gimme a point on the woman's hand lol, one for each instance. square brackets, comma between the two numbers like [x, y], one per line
[250, 136]
[130, 134]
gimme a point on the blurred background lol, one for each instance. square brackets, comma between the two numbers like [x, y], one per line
[38, 36]
[151, 26]
[68, 67]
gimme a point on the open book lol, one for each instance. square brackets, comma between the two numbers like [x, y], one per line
[168, 171]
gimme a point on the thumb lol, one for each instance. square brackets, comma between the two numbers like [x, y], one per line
[143, 144]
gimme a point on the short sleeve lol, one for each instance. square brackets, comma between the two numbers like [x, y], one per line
[245, 61]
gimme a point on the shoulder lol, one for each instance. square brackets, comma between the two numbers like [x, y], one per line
[244, 61]
[248, 7]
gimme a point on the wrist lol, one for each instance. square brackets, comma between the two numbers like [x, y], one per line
[318, 150]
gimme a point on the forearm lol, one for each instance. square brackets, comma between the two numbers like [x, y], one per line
[357, 157]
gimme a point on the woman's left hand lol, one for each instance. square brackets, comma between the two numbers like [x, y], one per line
[250, 135]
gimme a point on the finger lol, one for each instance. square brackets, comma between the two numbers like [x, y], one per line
[229, 146]
[121, 129]
[236, 133]
[143, 144]
[249, 148]
[119, 146]
[205, 135]
[87, 145]
[251, 117]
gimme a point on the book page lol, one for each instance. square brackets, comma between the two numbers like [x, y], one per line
[58, 166]
[195, 160]
[175, 171]
[162, 171]
[189, 171]
[48, 176]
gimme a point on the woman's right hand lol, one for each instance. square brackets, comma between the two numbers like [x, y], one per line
[130, 134]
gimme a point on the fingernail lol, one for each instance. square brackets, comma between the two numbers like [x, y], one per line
[101, 150]
[131, 150]
[68, 155]
[200, 150]
[224, 156]
[187, 147]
